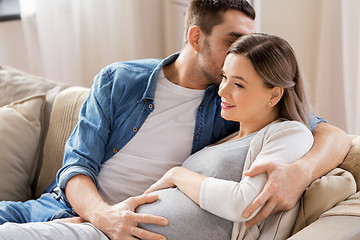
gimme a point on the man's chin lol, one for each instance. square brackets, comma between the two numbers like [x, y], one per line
[212, 78]
[217, 79]
[218, 82]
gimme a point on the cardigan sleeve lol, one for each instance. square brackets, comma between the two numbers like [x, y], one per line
[283, 142]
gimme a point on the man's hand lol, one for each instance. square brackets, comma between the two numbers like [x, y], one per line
[284, 187]
[120, 221]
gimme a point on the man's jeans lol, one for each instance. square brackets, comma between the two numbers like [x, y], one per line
[48, 207]
[35, 217]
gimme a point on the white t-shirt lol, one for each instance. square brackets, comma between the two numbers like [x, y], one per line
[164, 141]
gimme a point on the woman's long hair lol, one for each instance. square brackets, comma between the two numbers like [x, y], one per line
[274, 61]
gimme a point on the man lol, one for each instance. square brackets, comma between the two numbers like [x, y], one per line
[144, 117]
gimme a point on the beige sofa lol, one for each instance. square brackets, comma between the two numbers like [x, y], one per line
[38, 115]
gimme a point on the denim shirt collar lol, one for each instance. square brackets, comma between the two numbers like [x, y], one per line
[151, 86]
[150, 89]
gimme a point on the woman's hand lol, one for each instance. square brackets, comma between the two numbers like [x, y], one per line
[165, 182]
[120, 221]
[187, 181]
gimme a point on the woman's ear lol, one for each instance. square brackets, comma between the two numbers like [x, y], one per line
[276, 95]
[194, 35]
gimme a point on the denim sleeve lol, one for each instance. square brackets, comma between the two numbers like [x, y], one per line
[85, 148]
[314, 121]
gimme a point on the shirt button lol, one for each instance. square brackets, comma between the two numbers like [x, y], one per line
[115, 150]
[197, 137]
[135, 129]
[151, 106]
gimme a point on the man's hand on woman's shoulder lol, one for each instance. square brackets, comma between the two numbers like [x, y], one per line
[284, 187]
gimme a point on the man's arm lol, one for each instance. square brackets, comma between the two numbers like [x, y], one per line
[118, 221]
[287, 182]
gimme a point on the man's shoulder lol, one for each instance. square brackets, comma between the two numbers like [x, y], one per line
[126, 73]
[141, 65]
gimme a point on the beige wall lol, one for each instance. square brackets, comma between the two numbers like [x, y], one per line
[298, 21]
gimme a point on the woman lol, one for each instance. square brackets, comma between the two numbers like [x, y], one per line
[261, 89]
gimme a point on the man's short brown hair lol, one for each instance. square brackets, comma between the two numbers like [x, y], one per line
[208, 13]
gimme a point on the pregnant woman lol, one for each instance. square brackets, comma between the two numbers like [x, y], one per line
[205, 198]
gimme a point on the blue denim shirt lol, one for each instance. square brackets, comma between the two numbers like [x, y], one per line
[120, 100]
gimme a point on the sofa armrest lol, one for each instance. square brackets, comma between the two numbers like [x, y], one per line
[332, 227]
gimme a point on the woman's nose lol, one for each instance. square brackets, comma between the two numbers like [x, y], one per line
[223, 89]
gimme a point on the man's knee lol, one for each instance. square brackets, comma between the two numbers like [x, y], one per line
[12, 212]
[43, 209]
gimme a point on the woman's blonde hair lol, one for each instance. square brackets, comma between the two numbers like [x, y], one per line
[274, 61]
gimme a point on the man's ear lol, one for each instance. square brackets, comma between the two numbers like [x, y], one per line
[276, 95]
[194, 35]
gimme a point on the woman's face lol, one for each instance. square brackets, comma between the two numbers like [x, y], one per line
[243, 94]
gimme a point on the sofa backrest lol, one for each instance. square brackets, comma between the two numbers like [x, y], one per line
[16, 85]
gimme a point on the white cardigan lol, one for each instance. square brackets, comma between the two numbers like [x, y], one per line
[280, 141]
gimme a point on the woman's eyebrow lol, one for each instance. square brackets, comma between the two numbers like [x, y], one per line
[240, 78]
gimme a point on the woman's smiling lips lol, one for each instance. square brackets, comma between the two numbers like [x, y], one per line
[225, 105]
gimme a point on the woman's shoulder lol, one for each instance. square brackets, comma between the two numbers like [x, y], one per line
[282, 138]
[285, 125]
[283, 128]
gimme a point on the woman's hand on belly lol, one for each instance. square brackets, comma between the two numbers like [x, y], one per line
[189, 182]
[164, 182]
[121, 222]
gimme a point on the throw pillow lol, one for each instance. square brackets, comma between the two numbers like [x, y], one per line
[62, 122]
[323, 194]
[352, 160]
[20, 133]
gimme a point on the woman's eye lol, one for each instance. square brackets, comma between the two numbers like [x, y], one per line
[222, 75]
[239, 85]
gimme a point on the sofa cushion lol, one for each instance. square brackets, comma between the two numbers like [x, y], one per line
[20, 131]
[352, 160]
[63, 119]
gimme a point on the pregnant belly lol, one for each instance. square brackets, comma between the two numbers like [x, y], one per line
[186, 219]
